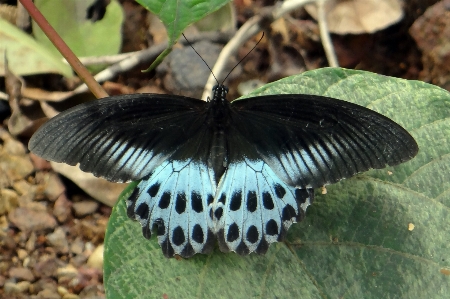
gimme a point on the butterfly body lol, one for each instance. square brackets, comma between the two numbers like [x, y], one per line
[240, 173]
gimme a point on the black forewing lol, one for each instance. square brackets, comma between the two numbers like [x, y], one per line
[310, 141]
[120, 138]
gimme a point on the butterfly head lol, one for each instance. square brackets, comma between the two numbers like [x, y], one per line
[220, 93]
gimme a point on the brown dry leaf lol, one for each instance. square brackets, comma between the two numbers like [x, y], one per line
[100, 189]
[44, 95]
[359, 16]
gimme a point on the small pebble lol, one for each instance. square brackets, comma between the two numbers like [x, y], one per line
[48, 294]
[68, 271]
[29, 220]
[9, 200]
[96, 258]
[78, 260]
[54, 187]
[22, 254]
[77, 246]
[31, 242]
[58, 240]
[62, 208]
[85, 207]
[44, 284]
[48, 267]
[16, 288]
[21, 273]
[23, 187]
[62, 291]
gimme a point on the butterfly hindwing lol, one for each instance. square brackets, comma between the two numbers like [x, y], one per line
[253, 207]
[316, 141]
[174, 199]
[120, 138]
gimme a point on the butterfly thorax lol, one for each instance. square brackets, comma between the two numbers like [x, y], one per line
[218, 121]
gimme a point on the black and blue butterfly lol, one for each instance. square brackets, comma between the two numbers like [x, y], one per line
[240, 173]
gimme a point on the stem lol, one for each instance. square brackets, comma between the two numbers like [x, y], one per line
[62, 47]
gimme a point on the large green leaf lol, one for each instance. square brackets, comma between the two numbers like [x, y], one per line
[177, 15]
[25, 56]
[84, 37]
[354, 242]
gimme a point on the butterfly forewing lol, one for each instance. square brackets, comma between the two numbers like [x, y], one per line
[120, 138]
[310, 141]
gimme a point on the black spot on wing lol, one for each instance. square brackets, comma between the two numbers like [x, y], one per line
[153, 190]
[210, 199]
[271, 227]
[131, 203]
[218, 213]
[196, 202]
[288, 213]
[263, 246]
[236, 200]
[209, 242]
[164, 201]
[252, 201]
[197, 234]
[180, 203]
[187, 251]
[279, 190]
[233, 233]
[252, 234]
[178, 237]
[242, 249]
[146, 232]
[142, 211]
[301, 195]
[267, 200]
[160, 227]
[167, 248]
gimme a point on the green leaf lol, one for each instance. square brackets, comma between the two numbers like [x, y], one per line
[177, 15]
[25, 55]
[354, 242]
[85, 38]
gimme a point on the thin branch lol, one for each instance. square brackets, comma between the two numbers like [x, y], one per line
[149, 54]
[325, 34]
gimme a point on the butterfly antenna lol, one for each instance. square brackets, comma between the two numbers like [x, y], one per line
[200, 58]
[243, 57]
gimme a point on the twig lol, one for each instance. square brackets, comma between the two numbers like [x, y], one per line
[325, 34]
[149, 54]
[250, 28]
[106, 59]
[3, 96]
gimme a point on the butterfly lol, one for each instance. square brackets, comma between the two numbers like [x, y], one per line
[238, 173]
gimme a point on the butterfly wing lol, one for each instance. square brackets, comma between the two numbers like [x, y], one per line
[175, 199]
[253, 207]
[120, 138]
[310, 141]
